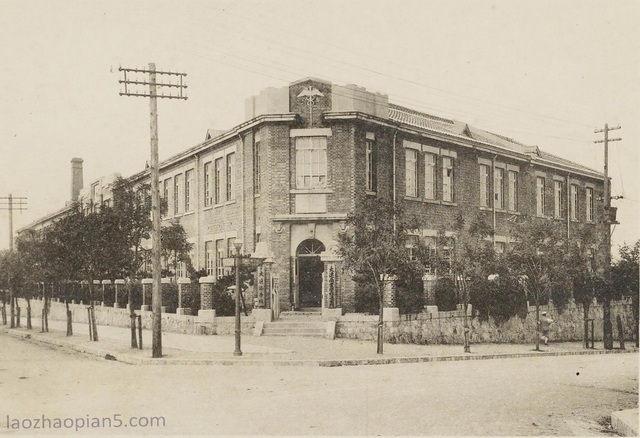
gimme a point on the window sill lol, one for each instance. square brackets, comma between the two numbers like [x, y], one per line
[412, 198]
[256, 195]
[218, 205]
[189, 213]
[310, 191]
[177, 215]
[207, 208]
[451, 204]
[233, 201]
[432, 201]
[371, 193]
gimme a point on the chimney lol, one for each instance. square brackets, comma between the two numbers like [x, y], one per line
[76, 178]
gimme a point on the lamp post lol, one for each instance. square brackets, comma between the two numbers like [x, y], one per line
[238, 246]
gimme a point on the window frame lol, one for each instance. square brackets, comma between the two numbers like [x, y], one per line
[448, 179]
[541, 183]
[371, 165]
[485, 174]
[208, 198]
[430, 176]
[311, 162]
[411, 173]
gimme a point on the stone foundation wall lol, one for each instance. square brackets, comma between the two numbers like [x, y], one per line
[448, 327]
[120, 318]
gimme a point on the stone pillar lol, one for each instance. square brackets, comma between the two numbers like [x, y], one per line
[147, 290]
[331, 287]
[184, 286]
[98, 283]
[429, 289]
[165, 288]
[207, 313]
[119, 284]
[389, 312]
[260, 300]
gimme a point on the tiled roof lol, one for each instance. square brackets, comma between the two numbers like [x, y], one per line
[434, 123]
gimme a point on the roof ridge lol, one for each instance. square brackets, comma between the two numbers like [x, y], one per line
[419, 113]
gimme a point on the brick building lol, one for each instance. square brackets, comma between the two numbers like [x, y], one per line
[284, 181]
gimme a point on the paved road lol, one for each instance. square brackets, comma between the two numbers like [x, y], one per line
[530, 396]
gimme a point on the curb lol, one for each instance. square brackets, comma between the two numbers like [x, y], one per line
[625, 422]
[132, 360]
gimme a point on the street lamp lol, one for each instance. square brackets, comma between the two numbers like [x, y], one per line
[238, 246]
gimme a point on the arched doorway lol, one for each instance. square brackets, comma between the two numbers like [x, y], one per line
[309, 269]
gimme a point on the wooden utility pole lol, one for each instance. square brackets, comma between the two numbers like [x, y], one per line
[12, 203]
[608, 218]
[150, 90]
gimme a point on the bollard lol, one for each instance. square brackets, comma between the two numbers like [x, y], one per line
[140, 332]
[620, 332]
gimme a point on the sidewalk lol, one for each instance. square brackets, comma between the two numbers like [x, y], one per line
[185, 349]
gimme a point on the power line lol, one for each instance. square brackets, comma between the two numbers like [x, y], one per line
[261, 38]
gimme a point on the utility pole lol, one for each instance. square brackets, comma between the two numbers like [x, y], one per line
[150, 90]
[608, 218]
[11, 203]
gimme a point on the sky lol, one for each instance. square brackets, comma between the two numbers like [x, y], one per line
[545, 73]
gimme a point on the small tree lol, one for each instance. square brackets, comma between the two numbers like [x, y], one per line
[175, 247]
[536, 260]
[374, 246]
[586, 281]
[624, 277]
[132, 207]
[473, 261]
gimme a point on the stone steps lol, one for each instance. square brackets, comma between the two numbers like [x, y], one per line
[295, 328]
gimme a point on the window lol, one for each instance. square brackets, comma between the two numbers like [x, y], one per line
[219, 256]
[540, 189]
[498, 184]
[411, 245]
[574, 202]
[230, 180]
[177, 184]
[431, 242]
[311, 162]
[513, 191]
[447, 253]
[484, 185]
[208, 200]
[589, 199]
[188, 189]
[500, 247]
[256, 167]
[209, 258]
[217, 191]
[411, 158]
[165, 193]
[231, 250]
[180, 269]
[430, 176]
[447, 179]
[557, 198]
[371, 165]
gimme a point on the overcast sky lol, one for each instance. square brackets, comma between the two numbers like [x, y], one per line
[545, 73]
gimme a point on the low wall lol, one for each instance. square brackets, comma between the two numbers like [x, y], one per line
[448, 327]
[120, 318]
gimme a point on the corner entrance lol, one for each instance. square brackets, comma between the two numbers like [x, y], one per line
[309, 269]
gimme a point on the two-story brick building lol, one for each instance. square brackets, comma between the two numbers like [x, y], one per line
[284, 181]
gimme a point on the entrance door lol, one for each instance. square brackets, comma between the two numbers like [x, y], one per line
[310, 269]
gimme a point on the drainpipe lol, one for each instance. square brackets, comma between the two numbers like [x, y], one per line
[241, 168]
[493, 196]
[393, 173]
[569, 205]
[197, 208]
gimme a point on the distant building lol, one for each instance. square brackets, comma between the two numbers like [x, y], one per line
[284, 181]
